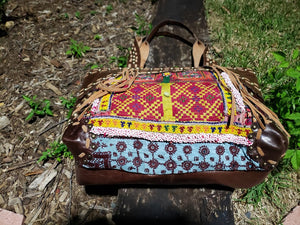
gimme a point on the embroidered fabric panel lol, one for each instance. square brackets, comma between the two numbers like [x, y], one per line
[197, 101]
[181, 101]
[143, 101]
[189, 106]
[192, 96]
[146, 157]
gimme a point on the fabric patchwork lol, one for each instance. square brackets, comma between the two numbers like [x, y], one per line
[146, 157]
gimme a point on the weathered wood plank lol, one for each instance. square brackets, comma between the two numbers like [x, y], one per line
[170, 52]
[176, 205]
[189, 206]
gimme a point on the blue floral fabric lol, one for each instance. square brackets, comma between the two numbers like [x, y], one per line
[146, 157]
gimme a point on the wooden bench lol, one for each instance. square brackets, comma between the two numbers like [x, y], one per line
[175, 205]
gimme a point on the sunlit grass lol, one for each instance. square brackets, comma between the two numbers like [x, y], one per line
[247, 31]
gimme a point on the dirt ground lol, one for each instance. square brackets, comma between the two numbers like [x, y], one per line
[33, 61]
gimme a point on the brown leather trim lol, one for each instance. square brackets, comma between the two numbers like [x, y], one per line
[234, 179]
[269, 147]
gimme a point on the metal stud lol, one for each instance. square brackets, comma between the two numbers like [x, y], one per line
[93, 136]
[93, 146]
[90, 126]
[254, 127]
[89, 156]
[256, 156]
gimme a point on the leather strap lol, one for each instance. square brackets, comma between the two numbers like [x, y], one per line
[198, 46]
[168, 22]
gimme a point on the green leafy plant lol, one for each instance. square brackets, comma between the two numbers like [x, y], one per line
[2, 9]
[57, 150]
[77, 49]
[38, 107]
[282, 94]
[93, 12]
[121, 61]
[98, 2]
[97, 37]
[66, 15]
[2, 2]
[143, 27]
[109, 8]
[95, 66]
[69, 104]
[78, 15]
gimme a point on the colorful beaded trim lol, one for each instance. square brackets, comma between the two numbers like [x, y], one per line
[176, 133]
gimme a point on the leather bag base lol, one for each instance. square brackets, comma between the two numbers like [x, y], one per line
[234, 179]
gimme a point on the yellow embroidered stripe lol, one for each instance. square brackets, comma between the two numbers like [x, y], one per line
[169, 127]
[167, 102]
[104, 103]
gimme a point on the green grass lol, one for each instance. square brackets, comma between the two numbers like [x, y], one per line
[264, 36]
[247, 31]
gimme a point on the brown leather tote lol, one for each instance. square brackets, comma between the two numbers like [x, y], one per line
[173, 126]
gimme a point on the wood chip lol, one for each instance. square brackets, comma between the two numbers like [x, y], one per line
[53, 88]
[1, 200]
[63, 196]
[7, 160]
[4, 122]
[56, 63]
[34, 173]
[20, 106]
[41, 181]
[17, 204]
[67, 173]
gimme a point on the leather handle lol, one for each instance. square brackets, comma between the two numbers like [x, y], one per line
[198, 46]
[168, 22]
[198, 50]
